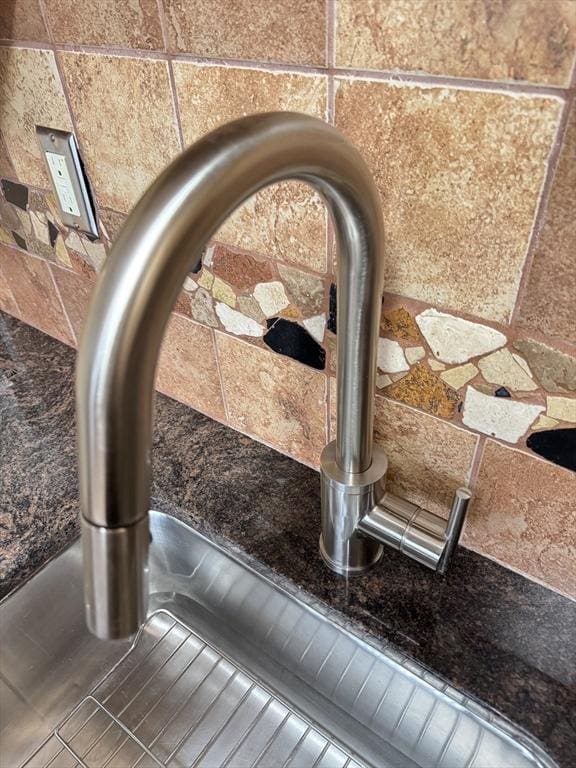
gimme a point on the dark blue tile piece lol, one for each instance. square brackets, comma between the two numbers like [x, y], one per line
[52, 233]
[502, 392]
[20, 242]
[331, 324]
[292, 340]
[557, 445]
[17, 194]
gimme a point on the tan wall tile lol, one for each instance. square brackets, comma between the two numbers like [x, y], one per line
[22, 20]
[75, 291]
[524, 515]
[125, 117]
[282, 30]
[549, 303]
[31, 284]
[188, 370]
[30, 94]
[273, 398]
[7, 301]
[6, 168]
[126, 24]
[428, 458]
[532, 40]
[286, 221]
[459, 173]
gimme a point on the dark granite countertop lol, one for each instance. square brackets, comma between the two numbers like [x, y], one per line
[498, 636]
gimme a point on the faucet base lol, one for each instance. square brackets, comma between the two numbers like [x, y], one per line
[346, 499]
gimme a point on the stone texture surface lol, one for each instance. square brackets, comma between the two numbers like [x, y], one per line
[271, 297]
[109, 95]
[75, 291]
[524, 513]
[561, 408]
[6, 167]
[391, 357]
[458, 377]
[400, 323]
[550, 296]
[287, 220]
[423, 389]
[188, 370]
[506, 640]
[31, 94]
[7, 301]
[22, 20]
[498, 417]
[414, 354]
[429, 458]
[284, 30]
[237, 323]
[240, 269]
[443, 161]
[305, 290]
[554, 369]
[455, 340]
[502, 368]
[129, 24]
[530, 40]
[273, 398]
[30, 283]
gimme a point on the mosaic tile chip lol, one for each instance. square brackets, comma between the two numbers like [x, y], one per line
[499, 417]
[400, 323]
[17, 194]
[292, 340]
[557, 445]
[421, 388]
[455, 340]
[554, 369]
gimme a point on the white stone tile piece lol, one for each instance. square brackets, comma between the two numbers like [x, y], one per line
[383, 380]
[502, 368]
[40, 227]
[391, 357]
[237, 323]
[454, 340]
[414, 354]
[190, 285]
[458, 377]
[561, 408]
[499, 417]
[271, 297]
[316, 327]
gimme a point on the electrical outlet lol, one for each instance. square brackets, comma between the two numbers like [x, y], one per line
[68, 179]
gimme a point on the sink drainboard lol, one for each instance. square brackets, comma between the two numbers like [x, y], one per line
[174, 700]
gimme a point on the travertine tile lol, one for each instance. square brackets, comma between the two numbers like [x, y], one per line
[109, 96]
[523, 514]
[428, 458]
[22, 20]
[188, 370]
[30, 94]
[128, 24]
[283, 30]
[75, 291]
[7, 300]
[273, 398]
[459, 173]
[286, 221]
[30, 282]
[548, 305]
[533, 40]
[6, 167]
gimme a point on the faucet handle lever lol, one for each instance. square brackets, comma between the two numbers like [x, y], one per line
[454, 526]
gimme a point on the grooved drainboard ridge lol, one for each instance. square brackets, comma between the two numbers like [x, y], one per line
[175, 700]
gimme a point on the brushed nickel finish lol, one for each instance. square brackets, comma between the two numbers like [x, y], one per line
[160, 243]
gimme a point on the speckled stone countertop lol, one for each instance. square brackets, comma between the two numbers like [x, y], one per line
[489, 631]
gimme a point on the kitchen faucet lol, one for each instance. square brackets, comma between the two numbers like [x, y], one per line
[160, 243]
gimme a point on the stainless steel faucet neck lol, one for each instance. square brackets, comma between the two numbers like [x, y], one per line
[161, 242]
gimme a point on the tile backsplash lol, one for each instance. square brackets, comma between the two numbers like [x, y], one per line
[463, 109]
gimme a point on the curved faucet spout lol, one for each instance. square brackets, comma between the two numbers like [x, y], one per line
[160, 243]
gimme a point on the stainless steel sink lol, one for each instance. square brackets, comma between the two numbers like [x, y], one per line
[229, 669]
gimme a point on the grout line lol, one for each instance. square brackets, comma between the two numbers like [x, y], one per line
[477, 460]
[44, 17]
[541, 209]
[176, 106]
[62, 304]
[162, 20]
[220, 379]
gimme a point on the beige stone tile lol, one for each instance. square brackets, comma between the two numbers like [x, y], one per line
[459, 173]
[22, 20]
[532, 40]
[6, 168]
[75, 290]
[523, 514]
[428, 458]
[286, 221]
[7, 300]
[273, 398]
[126, 24]
[30, 94]
[548, 305]
[31, 284]
[125, 117]
[283, 30]
[188, 370]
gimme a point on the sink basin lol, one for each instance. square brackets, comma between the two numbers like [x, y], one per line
[230, 669]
